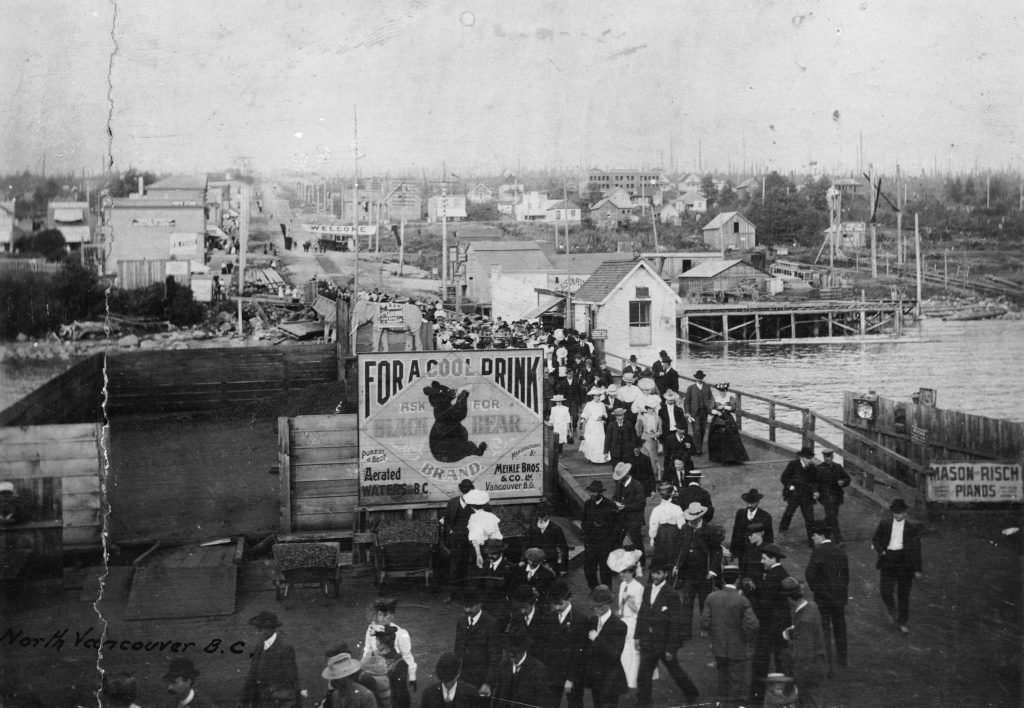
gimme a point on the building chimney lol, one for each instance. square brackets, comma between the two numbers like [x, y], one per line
[142, 190]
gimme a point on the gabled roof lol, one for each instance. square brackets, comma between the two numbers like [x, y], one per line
[609, 275]
[692, 198]
[723, 218]
[504, 246]
[748, 183]
[179, 182]
[710, 268]
[567, 205]
[585, 263]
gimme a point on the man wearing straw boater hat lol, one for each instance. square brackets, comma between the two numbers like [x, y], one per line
[630, 501]
[599, 526]
[697, 564]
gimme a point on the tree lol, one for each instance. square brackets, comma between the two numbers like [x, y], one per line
[727, 197]
[49, 244]
[708, 190]
[128, 183]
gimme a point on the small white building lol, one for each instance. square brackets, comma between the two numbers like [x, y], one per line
[452, 206]
[561, 212]
[480, 194]
[692, 202]
[631, 306]
[730, 230]
[72, 219]
[6, 226]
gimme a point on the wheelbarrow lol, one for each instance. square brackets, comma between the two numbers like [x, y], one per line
[308, 564]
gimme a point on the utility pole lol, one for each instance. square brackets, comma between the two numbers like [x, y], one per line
[444, 233]
[917, 250]
[874, 245]
[355, 209]
[243, 240]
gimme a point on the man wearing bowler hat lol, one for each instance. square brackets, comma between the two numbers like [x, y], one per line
[621, 442]
[522, 678]
[599, 527]
[600, 666]
[828, 576]
[806, 644]
[566, 639]
[272, 681]
[449, 691]
[831, 483]
[495, 578]
[799, 485]
[773, 614]
[548, 537]
[477, 643]
[698, 402]
[751, 514]
[897, 542]
[181, 684]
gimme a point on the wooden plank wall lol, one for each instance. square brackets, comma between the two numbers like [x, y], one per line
[319, 472]
[75, 396]
[200, 379]
[58, 469]
[951, 435]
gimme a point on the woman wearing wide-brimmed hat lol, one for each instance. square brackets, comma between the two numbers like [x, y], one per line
[631, 593]
[593, 418]
[725, 444]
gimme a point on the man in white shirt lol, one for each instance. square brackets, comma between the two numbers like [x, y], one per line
[898, 544]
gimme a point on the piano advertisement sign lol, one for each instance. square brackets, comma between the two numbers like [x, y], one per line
[428, 420]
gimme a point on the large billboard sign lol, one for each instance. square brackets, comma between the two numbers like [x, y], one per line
[975, 482]
[428, 420]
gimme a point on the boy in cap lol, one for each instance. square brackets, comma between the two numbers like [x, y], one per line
[732, 624]
[273, 676]
[522, 678]
[599, 527]
[449, 691]
[898, 544]
[659, 635]
[181, 680]
[831, 483]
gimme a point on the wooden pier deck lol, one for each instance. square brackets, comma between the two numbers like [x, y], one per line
[773, 321]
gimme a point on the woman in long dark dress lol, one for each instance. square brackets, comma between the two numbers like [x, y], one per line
[724, 442]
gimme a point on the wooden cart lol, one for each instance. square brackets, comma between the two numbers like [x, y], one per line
[309, 564]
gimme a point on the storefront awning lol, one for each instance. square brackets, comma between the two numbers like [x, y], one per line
[546, 304]
[68, 216]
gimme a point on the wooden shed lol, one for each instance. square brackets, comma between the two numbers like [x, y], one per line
[730, 229]
[722, 276]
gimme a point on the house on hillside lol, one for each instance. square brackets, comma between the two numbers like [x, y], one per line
[73, 220]
[748, 188]
[692, 202]
[480, 194]
[509, 195]
[612, 212]
[533, 207]
[627, 303]
[730, 229]
[560, 212]
[482, 256]
[690, 183]
[718, 275]
[668, 214]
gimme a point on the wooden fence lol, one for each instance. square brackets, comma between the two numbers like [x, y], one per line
[133, 275]
[201, 379]
[319, 467]
[28, 265]
[56, 471]
[75, 396]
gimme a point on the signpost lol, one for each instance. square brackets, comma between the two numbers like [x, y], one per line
[428, 420]
[975, 482]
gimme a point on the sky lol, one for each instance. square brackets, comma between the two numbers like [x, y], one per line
[481, 87]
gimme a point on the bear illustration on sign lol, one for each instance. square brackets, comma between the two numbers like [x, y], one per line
[449, 439]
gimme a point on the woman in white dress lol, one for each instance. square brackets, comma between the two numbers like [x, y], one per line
[483, 525]
[593, 417]
[631, 594]
[560, 421]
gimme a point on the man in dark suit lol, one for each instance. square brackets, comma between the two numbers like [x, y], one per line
[273, 677]
[599, 526]
[620, 439]
[698, 402]
[522, 678]
[449, 691]
[658, 371]
[806, 644]
[477, 644]
[630, 501]
[181, 680]
[831, 483]
[752, 514]
[659, 635]
[550, 538]
[528, 618]
[456, 538]
[494, 579]
[566, 638]
[897, 542]
[696, 566]
[732, 624]
[669, 376]
[799, 482]
[534, 575]
[691, 492]
[600, 667]
[828, 577]
[675, 440]
[772, 609]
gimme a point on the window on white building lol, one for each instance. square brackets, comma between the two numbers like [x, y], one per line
[639, 323]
